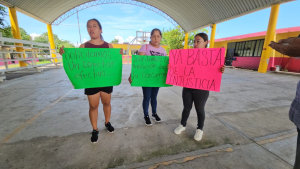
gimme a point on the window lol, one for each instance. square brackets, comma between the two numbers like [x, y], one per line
[259, 47]
[239, 50]
[251, 48]
[230, 53]
[246, 49]
[230, 49]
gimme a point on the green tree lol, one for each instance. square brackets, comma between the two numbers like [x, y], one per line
[115, 41]
[6, 32]
[66, 43]
[3, 13]
[43, 38]
[174, 38]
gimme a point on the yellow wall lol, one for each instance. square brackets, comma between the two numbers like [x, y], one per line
[278, 37]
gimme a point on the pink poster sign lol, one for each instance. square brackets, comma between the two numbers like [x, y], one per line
[196, 68]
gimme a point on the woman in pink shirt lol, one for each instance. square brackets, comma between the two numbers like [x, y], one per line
[150, 93]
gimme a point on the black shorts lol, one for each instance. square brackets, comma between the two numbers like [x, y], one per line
[92, 91]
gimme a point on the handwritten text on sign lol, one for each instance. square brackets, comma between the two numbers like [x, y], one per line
[149, 71]
[93, 67]
[196, 68]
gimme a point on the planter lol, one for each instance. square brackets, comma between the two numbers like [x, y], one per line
[278, 67]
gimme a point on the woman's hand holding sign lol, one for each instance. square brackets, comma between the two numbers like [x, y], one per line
[61, 50]
[129, 79]
[223, 69]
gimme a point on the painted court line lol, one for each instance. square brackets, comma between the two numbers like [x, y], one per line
[132, 113]
[277, 138]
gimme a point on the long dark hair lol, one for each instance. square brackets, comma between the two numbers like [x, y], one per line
[96, 21]
[99, 24]
[203, 36]
[155, 29]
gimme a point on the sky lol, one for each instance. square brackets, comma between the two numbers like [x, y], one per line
[121, 21]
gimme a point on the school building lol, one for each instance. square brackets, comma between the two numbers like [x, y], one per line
[245, 51]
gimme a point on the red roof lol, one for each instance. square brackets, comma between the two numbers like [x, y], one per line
[284, 30]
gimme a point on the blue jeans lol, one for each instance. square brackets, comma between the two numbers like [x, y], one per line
[150, 93]
[297, 159]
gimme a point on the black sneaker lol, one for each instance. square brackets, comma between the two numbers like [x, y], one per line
[109, 127]
[94, 137]
[147, 121]
[156, 117]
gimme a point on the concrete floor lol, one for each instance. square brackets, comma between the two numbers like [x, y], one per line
[45, 124]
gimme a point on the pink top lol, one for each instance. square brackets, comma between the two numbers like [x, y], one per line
[152, 51]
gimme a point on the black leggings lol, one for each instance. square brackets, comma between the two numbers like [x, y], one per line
[199, 97]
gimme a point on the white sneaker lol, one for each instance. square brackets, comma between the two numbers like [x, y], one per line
[198, 135]
[179, 129]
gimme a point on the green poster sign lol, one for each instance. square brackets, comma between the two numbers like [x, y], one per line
[149, 71]
[93, 67]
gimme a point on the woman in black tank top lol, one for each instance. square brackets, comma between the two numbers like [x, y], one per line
[95, 94]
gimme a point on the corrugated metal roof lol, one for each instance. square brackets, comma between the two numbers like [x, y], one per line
[189, 14]
[195, 14]
[46, 11]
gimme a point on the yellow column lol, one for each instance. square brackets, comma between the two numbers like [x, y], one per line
[212, 36]
[186, 40]
[130, 51]
[270, 36]
[51, 40]
[16, 32]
